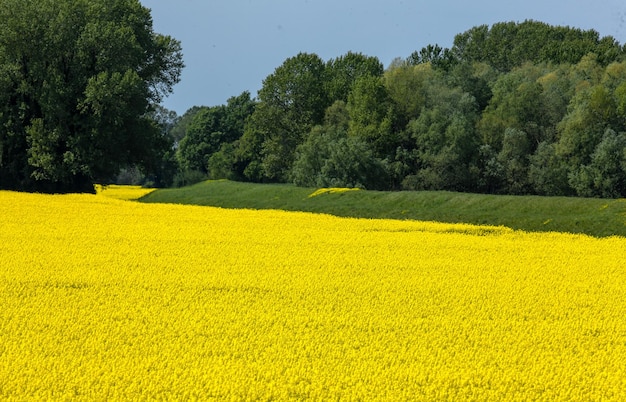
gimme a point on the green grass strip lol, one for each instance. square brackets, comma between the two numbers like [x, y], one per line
[592, 216]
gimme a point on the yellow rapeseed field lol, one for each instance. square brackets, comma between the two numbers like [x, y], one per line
[105, 299]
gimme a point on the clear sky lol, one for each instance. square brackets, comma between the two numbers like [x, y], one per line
[230, 46]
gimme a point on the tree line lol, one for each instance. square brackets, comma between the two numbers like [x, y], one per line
[512, 108]
[515, 108]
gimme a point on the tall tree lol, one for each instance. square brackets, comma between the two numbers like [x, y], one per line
[210, 128]
[588, 137]
[445, 140]
[591, 112]
[166, 119]
[506, 45]
[292, 100]
[516, 103]
[179, 129]
[372, 114]
[477, 79]
[78, 80]
[437, 56]
[343, 71]
[406, 86]
[204, 137]
[331, 158]
[605, 175]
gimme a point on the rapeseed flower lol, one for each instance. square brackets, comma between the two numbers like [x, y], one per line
[109, 299]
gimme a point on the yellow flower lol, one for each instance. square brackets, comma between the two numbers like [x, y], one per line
[332, 190]
[110, 299]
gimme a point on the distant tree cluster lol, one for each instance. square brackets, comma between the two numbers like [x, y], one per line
[515, 108]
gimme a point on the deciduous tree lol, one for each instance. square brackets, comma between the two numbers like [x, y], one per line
[292, 100]
[78, 79]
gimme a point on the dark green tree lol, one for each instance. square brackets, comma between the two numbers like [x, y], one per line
[445, 141]
[291, 102]
[162, 174]
[222, 163]
[548, 172]
[406, 87]
[204, 136]
[488, 171]
[437, 56]
[331, 158]
[557, 90]
[516, 103]
[514, 159]
[507, 45]
[605, 175]
[179, 130]
[78, 80]
[591, 113]
[477, 79]
[212, 127]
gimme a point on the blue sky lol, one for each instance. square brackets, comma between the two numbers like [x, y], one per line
[230, 46]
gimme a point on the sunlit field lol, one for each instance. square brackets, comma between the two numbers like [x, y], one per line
[107, 299]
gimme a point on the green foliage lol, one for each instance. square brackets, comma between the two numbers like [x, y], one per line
[188, 177]
[557, 90]
[488, 170]
[503, 111]
[78, 81]
[508, 45]
[435, 55]
[210, 128]
[406, 86]
[331, 158]
[516, 103]
[596, 107]
[203, 138]
[222, 163]
[292, 101]
[605, 175]
[372, 115]
[445, 140]
[343, 71]
[515, 108]
[166, 120]
[165, 165]
[516, 146]
[477, 79]
[179, 129]
[548, 172]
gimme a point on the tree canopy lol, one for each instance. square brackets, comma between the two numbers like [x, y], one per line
[517, 108]
[507, 45]
[78, 80]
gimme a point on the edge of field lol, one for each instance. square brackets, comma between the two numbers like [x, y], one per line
[591, 216]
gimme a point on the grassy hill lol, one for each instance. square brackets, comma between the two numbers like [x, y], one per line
[596, 217]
